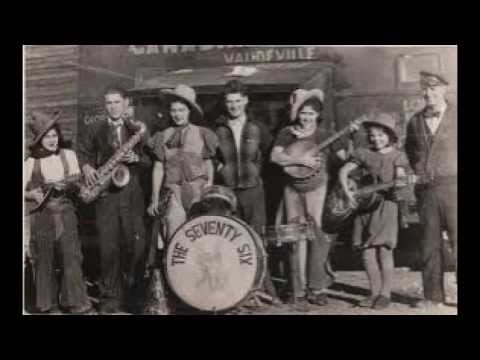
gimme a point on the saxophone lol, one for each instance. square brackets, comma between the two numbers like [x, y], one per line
[112, 171]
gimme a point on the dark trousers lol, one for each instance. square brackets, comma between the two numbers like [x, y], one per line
[438, 212]
[55, 245]
[251, 209]
[121, 235]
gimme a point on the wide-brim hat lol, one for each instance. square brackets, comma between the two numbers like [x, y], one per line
[298, 98]
[185, 94]
[431, 78]
[40, 123]
[220, 192]
[385, 121]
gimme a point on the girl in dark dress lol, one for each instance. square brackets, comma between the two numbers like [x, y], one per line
[375, 233]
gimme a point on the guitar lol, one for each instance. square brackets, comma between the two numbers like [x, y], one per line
[299, 149]
[338, 210]
[47, 190]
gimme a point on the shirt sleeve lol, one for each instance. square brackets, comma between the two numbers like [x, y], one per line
[210, 141]
[72, 160]
[155, 144]
[284, 138]
[401, 160]
[28, 167]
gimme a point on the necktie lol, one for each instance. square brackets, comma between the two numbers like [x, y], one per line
[116, 126]
[430, 113]
[176, 140]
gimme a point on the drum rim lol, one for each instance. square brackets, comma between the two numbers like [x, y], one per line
[262, 259]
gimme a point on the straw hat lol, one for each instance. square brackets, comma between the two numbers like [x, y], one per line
[40, 124]
[386, 121]
[298, 98]
[185, 94]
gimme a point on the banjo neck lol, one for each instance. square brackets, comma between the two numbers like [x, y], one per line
[324, 144]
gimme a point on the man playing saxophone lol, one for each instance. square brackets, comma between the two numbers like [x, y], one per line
[120, 207]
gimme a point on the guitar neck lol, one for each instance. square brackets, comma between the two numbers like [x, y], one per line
[385, 186]
[367, 190]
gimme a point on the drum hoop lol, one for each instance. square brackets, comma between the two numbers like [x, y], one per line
[261, 259]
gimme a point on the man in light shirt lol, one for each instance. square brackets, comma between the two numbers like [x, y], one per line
[243, 145]
[431, 146]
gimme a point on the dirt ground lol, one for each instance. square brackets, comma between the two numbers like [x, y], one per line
[352, 286]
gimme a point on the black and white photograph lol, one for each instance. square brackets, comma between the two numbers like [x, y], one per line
[240, 180]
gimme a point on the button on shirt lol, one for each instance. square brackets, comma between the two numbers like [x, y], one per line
[434, 122]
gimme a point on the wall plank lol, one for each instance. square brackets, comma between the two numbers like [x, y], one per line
[51, 83]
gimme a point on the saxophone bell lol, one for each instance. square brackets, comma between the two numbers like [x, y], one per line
[121, 176]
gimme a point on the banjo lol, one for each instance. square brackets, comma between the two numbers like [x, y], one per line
[300, 173]
[48, 188]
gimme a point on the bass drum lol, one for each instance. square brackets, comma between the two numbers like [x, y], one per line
[215, 262]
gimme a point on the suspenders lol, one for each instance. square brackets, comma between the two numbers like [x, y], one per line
[37, 176]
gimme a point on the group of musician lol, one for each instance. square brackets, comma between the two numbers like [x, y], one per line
[186, 159]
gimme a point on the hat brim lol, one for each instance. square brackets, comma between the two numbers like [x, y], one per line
[299, 103]
[393, 132]
[172, 96]
[47, 127]
[440, 77]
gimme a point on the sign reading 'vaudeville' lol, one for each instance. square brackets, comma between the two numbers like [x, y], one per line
[235, 54]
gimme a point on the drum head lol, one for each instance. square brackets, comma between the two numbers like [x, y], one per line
[212, 262]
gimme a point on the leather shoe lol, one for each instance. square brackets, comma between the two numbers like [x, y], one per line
[367, 302]
[382, 302]
[320, 299]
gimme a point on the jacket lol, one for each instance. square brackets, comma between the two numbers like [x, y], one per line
[242, 170]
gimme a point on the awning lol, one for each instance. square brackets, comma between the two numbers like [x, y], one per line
[258, 77]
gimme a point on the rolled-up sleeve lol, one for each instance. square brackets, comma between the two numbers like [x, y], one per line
[210, 141]
[156, 144]
[284, 138]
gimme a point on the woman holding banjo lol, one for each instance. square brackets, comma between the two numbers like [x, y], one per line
[296, 149]
[49, 171]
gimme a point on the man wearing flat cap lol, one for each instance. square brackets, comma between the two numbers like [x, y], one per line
[431, 146]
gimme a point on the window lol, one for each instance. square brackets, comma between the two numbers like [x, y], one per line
[409, 66]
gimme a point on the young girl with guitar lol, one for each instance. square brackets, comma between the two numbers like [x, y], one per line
[49, 172]
[375, 231]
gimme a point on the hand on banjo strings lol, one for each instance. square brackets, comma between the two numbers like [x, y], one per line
[37, 195]
[312, 162]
